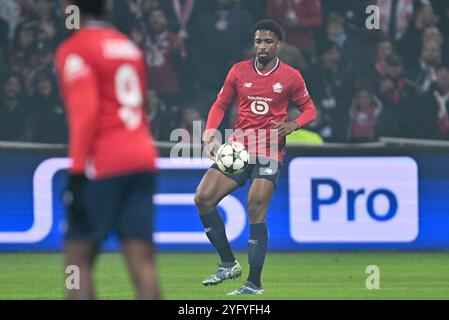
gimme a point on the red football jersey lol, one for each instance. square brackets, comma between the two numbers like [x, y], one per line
[103, 80]
[263, 97]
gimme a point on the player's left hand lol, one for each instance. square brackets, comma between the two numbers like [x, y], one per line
[285, 128]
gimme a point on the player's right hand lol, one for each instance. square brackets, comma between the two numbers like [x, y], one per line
[211, 147]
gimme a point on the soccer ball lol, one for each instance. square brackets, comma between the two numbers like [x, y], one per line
[232, 158]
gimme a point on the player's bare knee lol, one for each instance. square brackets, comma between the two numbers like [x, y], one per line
[255, 204]
[199, 199]
[256, 211]
[204, 202]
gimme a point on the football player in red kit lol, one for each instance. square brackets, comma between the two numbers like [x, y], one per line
[264, 88]
[102, 79]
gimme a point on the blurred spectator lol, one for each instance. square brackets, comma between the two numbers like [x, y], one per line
[331, 85]
[45, 58]
[217, 34]
[122, 16]
[433, 33]
[442, 10]
[183, 13]
[372, 69]
[128, 13]
[424, 72]
[409, 47]
[400, 98]
[14, 115]
[191, 113]
[298, 18]
[23, 53]
[292, 56]
[218, 42]
[148, 5]
[161, 118]
[353, 11]
[368, 120]
[42, 62]
[384, 49]
[50, 26]
[48, 117]
[180, 13]
[257, 8]
[335, 31]
[363, 50]
[138, 34]
[11, 11]
[395, 17]
[165, 51]
[435, 107]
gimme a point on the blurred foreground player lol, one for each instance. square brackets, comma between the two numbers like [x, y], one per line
[102, 77]
[264, 87]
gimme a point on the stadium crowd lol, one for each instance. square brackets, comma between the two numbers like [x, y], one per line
[391, 81]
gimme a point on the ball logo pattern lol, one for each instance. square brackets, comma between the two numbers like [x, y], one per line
[232, 158]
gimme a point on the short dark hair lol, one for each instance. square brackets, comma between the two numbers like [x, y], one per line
[95, 8]
[270, 25]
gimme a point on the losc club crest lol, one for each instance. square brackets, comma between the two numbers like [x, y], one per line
[278, 87]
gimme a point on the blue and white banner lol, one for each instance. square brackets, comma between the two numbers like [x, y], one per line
[355, 200]
[331, 203]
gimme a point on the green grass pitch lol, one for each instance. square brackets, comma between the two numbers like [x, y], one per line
[311, 275]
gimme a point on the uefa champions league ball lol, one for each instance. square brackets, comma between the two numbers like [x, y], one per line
[232, 158]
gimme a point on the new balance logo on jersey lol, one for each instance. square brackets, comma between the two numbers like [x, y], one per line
[247, 85]
[278, 87]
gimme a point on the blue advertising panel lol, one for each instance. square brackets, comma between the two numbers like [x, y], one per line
[321, 203]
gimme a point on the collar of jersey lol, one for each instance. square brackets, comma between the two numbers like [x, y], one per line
[269, 72]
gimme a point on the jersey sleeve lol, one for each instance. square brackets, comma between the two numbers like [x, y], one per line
[301, 98]
[81, 98]
[311, 15]
[224, 99]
